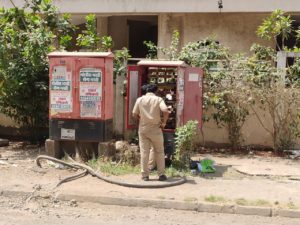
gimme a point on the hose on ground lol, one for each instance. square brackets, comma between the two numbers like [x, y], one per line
[89, 170]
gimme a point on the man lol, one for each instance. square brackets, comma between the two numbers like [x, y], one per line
[147, 110]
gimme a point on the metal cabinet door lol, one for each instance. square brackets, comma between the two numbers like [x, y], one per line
[193, 95]
[90, 88]
[61, 88]
[133, 92]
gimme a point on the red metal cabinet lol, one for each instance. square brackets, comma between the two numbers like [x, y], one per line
[80, 95]
[188, 89]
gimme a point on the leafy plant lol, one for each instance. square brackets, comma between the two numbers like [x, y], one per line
[120, 62]
[107, 43]
[184, 142]
[172, 52]
[152, 49]
[89, 38]
[277, 24]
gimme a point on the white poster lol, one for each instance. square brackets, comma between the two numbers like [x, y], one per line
[90, 92]
[90, 109]
[60, 91]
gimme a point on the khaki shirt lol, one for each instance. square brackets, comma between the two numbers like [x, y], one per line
[149, 108]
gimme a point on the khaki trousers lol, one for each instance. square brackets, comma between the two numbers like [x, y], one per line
[152, 139]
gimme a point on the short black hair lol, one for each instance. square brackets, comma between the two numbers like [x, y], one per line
[152, 88]
[144, 89]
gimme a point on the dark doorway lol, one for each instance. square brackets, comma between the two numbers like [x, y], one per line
[140, 31]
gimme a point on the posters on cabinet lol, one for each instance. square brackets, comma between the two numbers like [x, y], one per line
[90, 92]
[60, 91]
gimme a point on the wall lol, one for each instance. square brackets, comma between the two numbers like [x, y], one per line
[234, 30]
[118, 28]
[159, 6]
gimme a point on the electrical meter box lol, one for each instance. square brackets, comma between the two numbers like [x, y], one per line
[180, 86]
[81, 96]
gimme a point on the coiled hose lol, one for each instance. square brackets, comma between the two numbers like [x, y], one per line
[89, 170]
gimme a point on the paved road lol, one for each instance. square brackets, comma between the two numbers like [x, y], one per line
[31, 211]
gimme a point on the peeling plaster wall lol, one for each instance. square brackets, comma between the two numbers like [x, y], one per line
[234, 30]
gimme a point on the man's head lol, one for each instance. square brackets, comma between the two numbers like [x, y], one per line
[151, 88]
[144, 89]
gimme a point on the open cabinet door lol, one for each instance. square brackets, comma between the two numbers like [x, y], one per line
[133, 92]
[193, 95]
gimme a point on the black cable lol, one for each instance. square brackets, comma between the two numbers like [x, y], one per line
[89, 170]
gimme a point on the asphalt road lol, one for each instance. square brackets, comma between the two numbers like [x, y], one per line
[30, 211]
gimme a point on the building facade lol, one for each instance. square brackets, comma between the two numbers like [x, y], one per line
[232, 22]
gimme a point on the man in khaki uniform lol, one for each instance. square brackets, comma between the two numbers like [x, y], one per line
[147, 110]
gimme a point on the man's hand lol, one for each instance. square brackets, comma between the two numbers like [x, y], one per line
[136, 116]
[162, 125]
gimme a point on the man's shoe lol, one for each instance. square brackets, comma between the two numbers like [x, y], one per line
[162, 178]
[145, 178]
[151, 169]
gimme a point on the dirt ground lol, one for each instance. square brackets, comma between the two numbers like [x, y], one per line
[48, 211]
[273, 179]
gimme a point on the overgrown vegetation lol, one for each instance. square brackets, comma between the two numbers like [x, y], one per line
[27, 36]
[271, 89]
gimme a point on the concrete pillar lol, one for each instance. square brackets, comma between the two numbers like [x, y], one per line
[119, 111]
[102, 25]
[167, 23]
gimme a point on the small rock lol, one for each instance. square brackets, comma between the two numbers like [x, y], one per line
[37, 187]
[73, 203]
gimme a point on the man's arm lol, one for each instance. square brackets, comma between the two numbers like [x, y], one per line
[165, 119]
[163, 107]
[136, 110]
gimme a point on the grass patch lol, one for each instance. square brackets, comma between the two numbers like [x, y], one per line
[172, 172]
[258, 202]
[112, 168]
[213, 198]
[190, 199]
[161, 197]
[291, 205]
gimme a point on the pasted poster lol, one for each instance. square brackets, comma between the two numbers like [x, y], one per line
[60, 91]
[90, 92]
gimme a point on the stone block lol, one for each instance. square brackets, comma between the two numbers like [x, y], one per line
[53, 148]
[251, 210]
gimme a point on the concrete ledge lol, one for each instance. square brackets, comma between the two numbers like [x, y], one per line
[169, 204]
[214, 208]
[250, 210]
[287, 213]
[131, 202]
